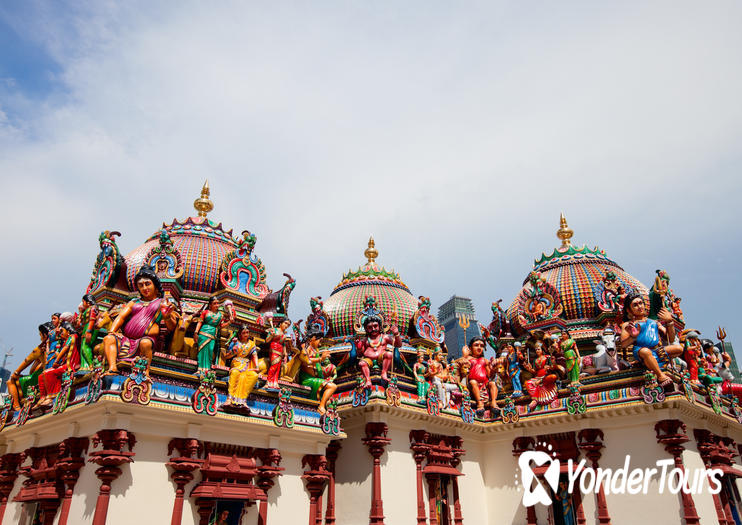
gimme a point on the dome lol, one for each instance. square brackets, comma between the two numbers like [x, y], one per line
[392, 296]
[576, 276]
[202, 244]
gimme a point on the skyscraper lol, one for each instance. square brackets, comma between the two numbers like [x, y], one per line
[457, 315]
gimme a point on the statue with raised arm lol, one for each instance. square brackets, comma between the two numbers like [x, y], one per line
[18, 385]
[372, 348]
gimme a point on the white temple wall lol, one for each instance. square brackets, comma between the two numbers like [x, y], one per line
[502, 497]
[353, 478]
[472, 490]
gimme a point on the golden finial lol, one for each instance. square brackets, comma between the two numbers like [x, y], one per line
[564, 232]
[371, 253]
[203, 204]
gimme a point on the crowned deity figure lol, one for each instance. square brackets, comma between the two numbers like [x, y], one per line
[67, 359]
[373, 347]
[135, 330]
[280, 343]
[644, 335]
[244, 368]
[88, 330]
[210, 323]
[480, 375]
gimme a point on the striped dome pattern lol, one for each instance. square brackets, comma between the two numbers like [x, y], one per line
[202, 244]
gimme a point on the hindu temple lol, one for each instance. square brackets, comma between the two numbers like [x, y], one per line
[176, 389]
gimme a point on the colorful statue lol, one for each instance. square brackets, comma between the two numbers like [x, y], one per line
[210, 323]
[279, 340]
[542, 387]
[479, 375]
[317, 371]
[437, 373]
[571, 355]
[373, 347]
[88, 330]
[644, 334]
[68, 359]
[244, 368]
[18, 385]
[514, 360]
[659, 295]
[605, 359]
[418, 370]
[135, 330]
[692, 352]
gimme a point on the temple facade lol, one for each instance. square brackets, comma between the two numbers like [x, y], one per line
[179, 391]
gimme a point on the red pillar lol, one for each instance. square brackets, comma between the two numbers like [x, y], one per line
[456, 451]
[419, 446]
[332, 455]
[9, 464]
[433, 480]
[376, 440]
[183, 467]
[110, 457]
[671, 433]
[267, 473]
[315, 478]
[68, 465]
[590, 441]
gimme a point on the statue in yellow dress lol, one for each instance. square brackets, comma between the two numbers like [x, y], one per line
[244, 369]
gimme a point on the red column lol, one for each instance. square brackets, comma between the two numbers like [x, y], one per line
[68, 465]
[433, 480]
[9, 464]
[376, 440]
[315, 478]
[419, 448]
[457, 451]
[590, 441]
[110, 457]
[267, 473]
[671, 433]
[183, 467]
[332, 455]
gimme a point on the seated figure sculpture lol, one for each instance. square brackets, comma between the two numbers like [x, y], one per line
[88, 330]
[244, 368]
[68, 358]
[313, 373]
[645, 336]
[373, 348]
[18, 385]
[135, 330]
[480, 374]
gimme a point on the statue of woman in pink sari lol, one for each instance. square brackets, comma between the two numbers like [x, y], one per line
[135, 330]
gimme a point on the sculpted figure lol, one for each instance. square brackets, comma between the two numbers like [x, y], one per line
[514, 360]
[88, 331]
[135, 330]
[211, 321]
[479, 375]
[68, 358]
[279, 341]
[418, 370]
[644, 334]
[692, 352]
[571, 354]
[542, 386]
[18, 385]
[243, 371]
[373, 348]
[317, 372]
[438, 373]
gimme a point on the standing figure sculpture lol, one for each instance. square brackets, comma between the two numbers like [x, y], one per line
[480, 374]
[135, 330]
[569, 350]
[18, 385]
[514, 359]
[438, 374]
[418, 370]
[210, 323]
[243, 371]
[88, 330]
[68, 359]
[373, 348]
[278, 339]
[645, 336]
[692, 352]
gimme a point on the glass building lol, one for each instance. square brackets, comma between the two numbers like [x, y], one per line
[457, 315]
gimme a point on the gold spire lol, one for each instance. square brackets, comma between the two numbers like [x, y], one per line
[564, 232]
[203, 204]
[371, 253]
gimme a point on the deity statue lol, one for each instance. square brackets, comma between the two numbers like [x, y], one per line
[644, 334]
[18, 385]
[418, 370]
[68, 359]
[244, 368]
[279, 341]
[514, 360]
[317, 371]
[210, 323]
[542, 386]
[659, 295]
[88, 330]
[479, 375]
[135, 330]
[373, 347]
[692, 351]
[719, 360]
[571, 354]
[438, 373]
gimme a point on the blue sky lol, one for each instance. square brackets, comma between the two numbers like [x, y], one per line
[455, 134]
